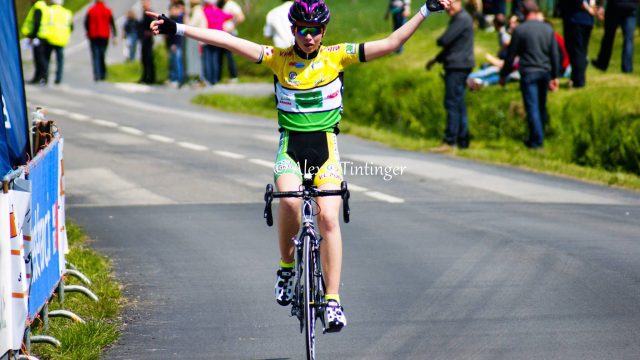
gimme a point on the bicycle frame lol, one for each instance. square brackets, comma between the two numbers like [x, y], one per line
[308, 303]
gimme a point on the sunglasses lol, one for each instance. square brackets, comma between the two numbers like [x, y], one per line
[312, 30]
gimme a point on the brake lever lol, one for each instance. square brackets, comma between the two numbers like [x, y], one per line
[346, 212]
[268, 198]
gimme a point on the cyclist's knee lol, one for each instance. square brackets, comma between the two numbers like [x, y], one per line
[329, 221]
[290, 205]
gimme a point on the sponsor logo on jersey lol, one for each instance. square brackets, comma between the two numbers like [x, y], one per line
[286, 53]
[307, 100]
[333, 48]
[333, 95]
[350, 49]
[317, 65]
[297, 65]
[285, 102]
[293, 75]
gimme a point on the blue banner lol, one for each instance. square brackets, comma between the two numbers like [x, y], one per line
[14, 114]
[43, 257]
[5, 164]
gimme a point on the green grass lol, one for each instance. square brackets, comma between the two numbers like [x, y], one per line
[84, 341]
[132, 71]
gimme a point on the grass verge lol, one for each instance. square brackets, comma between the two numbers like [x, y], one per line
[84, 341]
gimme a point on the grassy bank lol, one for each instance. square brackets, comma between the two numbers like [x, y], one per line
[84, 341]
[594, 132]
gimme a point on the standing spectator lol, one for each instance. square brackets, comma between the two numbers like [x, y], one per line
[35, 29]
[277, 26]
[195, 60]
[98, 23]
[577, 23]
[399, 11]
[146, 40]
[60, 28]
[622, 13]
[215, 20]
[130, 33]
[174, 46]
[535, 43]
[230, 26]
[458, 60]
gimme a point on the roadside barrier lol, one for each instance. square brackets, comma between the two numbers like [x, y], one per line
[33, 244]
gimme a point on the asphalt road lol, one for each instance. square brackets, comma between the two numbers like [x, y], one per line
[449, 259]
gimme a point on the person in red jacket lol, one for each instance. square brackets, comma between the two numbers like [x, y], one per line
[100, 27]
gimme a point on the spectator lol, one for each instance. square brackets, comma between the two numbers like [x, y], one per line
[100, 27]
[277, 26]
[534, 42]
[458, 60]
[60, 28]
[230, 26]
[130, 34]
[215, 20]
[577, 22]
[146, 40]
[35, 29]
[175, 46]
[399, 11]
[195, 60]
[618, 13]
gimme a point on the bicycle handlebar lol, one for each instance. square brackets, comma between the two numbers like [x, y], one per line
[269, 195]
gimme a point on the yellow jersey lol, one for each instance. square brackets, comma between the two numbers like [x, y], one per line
[309, 90]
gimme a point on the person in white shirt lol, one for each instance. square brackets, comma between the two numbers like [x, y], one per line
[278, 27]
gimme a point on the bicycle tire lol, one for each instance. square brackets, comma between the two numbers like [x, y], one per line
[309, 299]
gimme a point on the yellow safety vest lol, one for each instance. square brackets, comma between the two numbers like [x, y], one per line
[60, 20]
[27, 27]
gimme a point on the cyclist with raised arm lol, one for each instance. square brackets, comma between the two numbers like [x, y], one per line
[308, 85]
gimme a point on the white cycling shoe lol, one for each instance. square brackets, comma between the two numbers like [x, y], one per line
[284, 286]
[334, 316]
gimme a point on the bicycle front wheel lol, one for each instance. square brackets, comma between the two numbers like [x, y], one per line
[309, 299]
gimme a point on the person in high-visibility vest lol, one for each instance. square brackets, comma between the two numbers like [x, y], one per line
[60, 28]
[35, 28]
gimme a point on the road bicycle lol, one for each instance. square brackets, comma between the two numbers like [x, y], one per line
[308, 302]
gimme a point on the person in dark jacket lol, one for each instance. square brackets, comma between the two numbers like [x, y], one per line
[621, 13]
[458, 60]
[534, 42]
[146, 53]
[577, 23]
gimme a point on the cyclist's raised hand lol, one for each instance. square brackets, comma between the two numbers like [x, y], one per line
[162, 24]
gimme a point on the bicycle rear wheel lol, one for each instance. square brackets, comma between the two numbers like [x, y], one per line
[309, 299]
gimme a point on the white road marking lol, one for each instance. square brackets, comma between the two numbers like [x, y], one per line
[160, 138]
[384, 197]
[103, 187]
[522, 190]
[78, 117]
[229, 154]
[59, 112]
[261, 162]
[192, 146]
[356, 188]
[105, 123]
[130, 130]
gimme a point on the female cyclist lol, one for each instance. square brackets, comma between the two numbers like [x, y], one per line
[308, 80]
